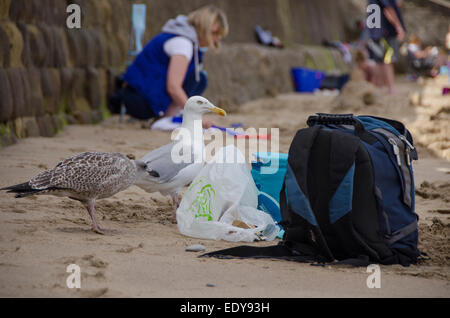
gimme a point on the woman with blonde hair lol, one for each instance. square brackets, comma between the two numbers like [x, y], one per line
[168, 70]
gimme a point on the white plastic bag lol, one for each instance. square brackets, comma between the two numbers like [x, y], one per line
[220, 204]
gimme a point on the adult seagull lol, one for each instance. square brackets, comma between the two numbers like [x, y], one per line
[179, 162]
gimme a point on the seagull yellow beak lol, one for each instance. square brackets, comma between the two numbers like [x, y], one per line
[218, 111]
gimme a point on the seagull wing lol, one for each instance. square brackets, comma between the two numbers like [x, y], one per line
[169, 160]
[84, 172]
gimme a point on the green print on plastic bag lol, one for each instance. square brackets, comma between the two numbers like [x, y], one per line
[201, 206]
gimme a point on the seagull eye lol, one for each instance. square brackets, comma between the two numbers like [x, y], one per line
[199, 102]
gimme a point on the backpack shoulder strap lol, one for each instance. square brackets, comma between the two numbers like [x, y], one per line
[342, 166]
[299, 153]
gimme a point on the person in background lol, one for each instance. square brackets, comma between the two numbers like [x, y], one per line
[447, 46]
[447, 40]
[344, 48]
[367, 66]
[392, 30]
[169, 69]
[423, 60]
[363, 35]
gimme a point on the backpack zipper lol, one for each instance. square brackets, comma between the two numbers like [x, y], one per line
[408, 149]
[410, 146]
[408, 157]
[396, 150]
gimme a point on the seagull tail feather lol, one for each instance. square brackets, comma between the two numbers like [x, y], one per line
[21, 190]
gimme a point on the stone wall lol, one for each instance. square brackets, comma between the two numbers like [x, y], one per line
[427, 20]
[243, 72]
[294, 21]
[51, 76]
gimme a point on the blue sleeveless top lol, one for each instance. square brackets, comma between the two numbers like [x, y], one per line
[148, 73]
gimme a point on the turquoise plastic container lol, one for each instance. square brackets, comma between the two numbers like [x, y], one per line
[268, 171]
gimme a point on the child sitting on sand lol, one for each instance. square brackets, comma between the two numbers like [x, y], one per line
[423, 60]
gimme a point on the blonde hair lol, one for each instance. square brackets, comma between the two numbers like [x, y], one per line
[414, 39]
[203, 19]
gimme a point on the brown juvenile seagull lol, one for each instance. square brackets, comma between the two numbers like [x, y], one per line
[86, 177]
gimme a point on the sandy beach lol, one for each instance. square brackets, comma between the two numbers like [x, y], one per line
[143, 254]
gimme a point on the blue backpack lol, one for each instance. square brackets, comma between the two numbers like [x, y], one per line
[348, 194]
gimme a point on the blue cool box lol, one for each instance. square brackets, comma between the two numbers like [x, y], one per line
[268, 173]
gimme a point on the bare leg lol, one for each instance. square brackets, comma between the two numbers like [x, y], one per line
[172, 110]
[379, 75]
[91, 210]
[175, 207]
[388, 73]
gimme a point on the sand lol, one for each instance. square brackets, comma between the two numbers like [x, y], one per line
[143, 254]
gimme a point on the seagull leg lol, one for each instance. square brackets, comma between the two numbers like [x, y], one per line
[176, 204]
[91, 210]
